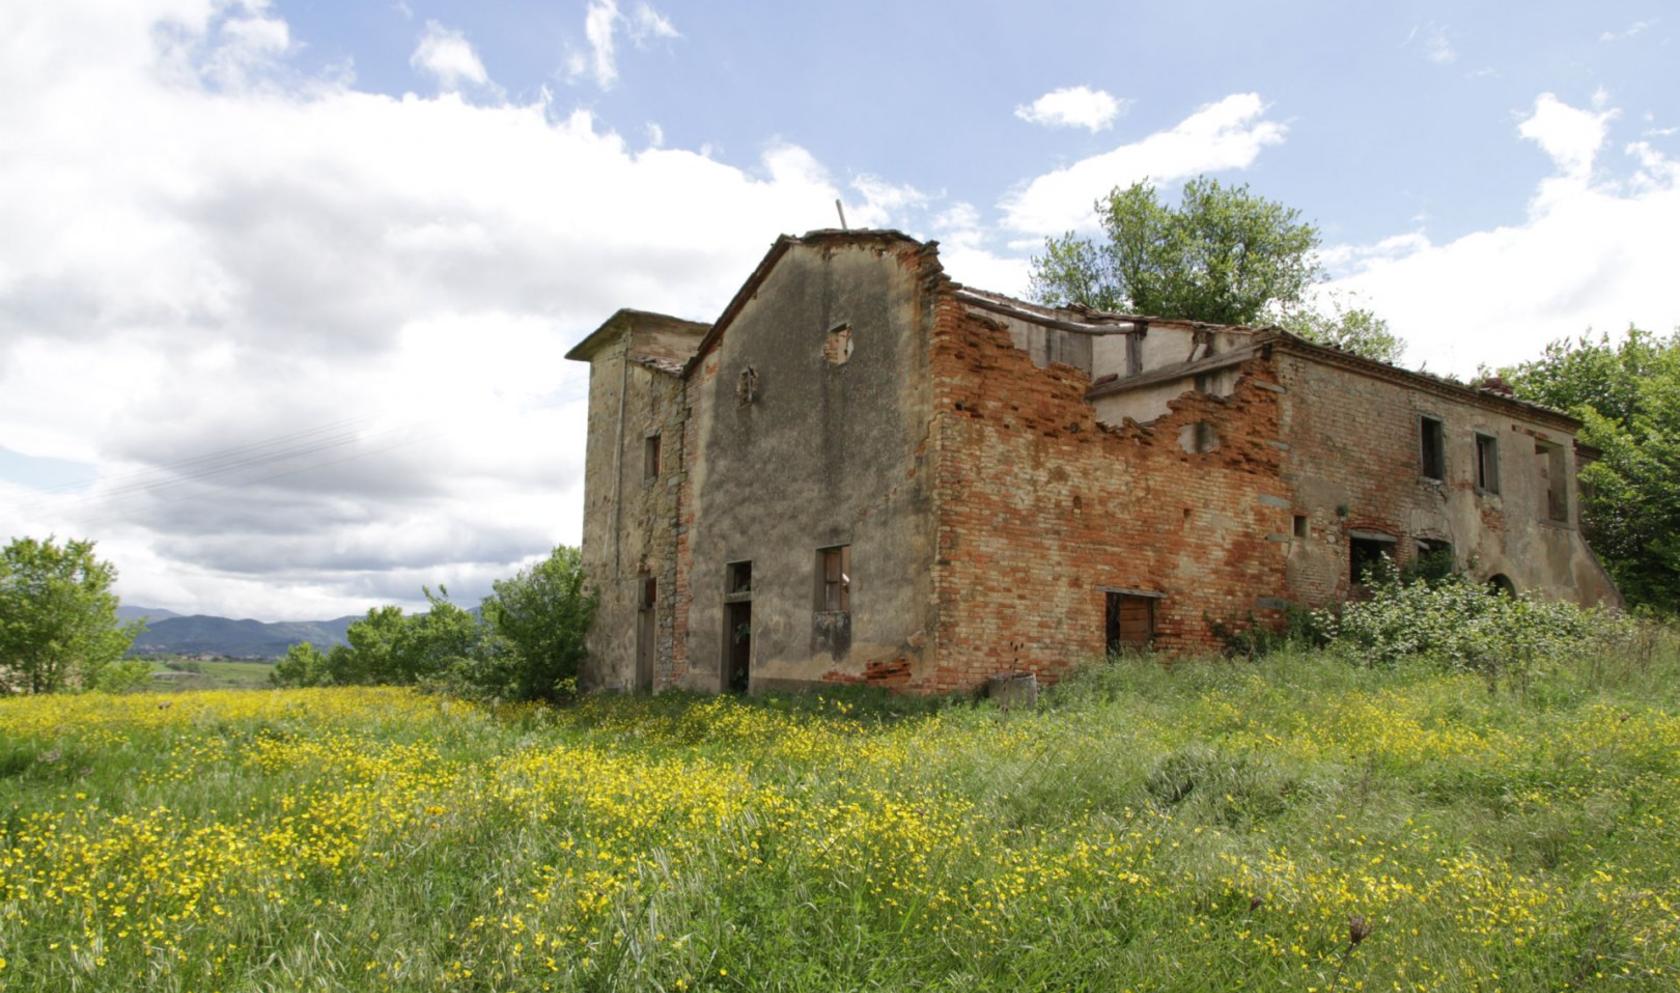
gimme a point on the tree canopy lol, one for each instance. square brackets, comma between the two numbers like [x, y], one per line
[526, 642]
[1627, 395]
[58, 616]
[1224, 255]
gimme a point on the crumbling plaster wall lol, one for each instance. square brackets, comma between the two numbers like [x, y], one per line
[629, 517]
[825, 454]
[1041, 509]
[1354, 463]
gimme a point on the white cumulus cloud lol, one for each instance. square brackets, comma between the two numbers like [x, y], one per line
[1593, 251]
[449, 57]
[1073, 107]
[316, 334]
[1227, 134]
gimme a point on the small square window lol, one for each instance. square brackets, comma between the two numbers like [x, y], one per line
[738, 578]
[1434, 454]
[1487, 463]
[834, 579]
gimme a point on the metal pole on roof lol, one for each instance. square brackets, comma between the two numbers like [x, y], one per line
[842, 212]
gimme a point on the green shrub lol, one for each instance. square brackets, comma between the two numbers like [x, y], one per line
[122, 677]
[1461, 625]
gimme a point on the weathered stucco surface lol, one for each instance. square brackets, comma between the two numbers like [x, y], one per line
[635, 391]
[823, 455]
[1012, 482]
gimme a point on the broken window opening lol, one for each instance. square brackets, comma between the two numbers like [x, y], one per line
[1369, 556]
[746, 388]
[1300, 525]
[1129, 623]
[650, 458]
[738, 577]
[1198, 438]
[837, 347]
[1554, 475]
[1434, 560]
[1433, 434]
[834, 579]
[1487, 463]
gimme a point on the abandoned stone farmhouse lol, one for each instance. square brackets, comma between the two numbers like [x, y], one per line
[863, 471]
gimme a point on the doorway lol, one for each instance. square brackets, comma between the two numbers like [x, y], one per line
[737, 646]
[1130, 623]
[645, 635]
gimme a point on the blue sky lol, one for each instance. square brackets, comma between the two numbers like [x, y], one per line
[285, 287]
[1399, 115]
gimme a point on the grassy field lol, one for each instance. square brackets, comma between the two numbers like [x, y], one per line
[216, 674]
[1216, 826]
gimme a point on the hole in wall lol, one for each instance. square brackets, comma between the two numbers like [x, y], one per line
[837, 346]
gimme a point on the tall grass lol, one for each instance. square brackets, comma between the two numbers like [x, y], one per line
[1207, 825]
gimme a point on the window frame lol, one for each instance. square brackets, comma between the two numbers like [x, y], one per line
[834, 592]
[652, 457]
[1487, 462]
[1438, 449]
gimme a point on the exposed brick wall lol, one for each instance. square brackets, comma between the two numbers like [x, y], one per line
[1040, 507]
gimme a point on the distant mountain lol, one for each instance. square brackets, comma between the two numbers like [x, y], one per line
[125, 613]
[245, 639]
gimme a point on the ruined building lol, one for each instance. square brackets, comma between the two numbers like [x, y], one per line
[866, 472]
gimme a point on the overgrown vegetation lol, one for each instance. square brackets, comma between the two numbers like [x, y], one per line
[1204, 825]
[526, 643]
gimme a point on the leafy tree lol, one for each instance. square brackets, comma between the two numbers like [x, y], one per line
[1224, 255]
[1627, 395]
[544, 613]
[58, 616]
[527, 645]
[302, 665]
[1353, 329]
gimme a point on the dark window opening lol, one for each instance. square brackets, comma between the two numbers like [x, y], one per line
[738, 577]
[1366, 555]
[834, 579]
[650, 458]
[650, 592]
[1130, 622]
[1487, 463]
[1300, 525]
[1554, 475]
[1434, 560]
[1434, 448]
[1198, 438]
[737, 646]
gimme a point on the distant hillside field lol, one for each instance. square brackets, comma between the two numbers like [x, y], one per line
[1215, 826]
[205, 635]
